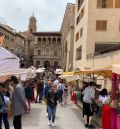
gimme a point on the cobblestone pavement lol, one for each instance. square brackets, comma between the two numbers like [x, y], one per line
[68, 117]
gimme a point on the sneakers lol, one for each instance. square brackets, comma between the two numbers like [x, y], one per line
[53, 125]
[91, 126]
[86, 125]
[46, 114]
[49, 123]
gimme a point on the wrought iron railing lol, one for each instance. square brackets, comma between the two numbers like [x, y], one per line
[104, 51]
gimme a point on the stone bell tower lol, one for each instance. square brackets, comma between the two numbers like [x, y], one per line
[32, 24]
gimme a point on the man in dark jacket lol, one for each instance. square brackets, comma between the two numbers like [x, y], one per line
[52, 98]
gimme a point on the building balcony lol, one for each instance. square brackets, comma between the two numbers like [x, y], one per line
[107, 51]
[48, 57]
[104, 59]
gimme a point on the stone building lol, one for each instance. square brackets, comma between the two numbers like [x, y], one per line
[29, 40]
[10, 37]
[16, 43]
[47, 49]
[97, 33]
[67, 31]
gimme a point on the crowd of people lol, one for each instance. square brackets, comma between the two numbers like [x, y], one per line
[52, 92]
[20, 94]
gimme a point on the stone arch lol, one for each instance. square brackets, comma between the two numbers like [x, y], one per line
[58, 40]
[56, 64]
[53, 40]
[46, 64]
[49, 40]
[39, 39]
[44, 40]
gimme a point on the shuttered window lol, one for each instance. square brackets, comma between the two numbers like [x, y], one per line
[101, 25]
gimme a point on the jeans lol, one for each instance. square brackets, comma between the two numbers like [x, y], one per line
[4, 116]
[39, 94]
[17, 122]
[60, 96]
[51, 113]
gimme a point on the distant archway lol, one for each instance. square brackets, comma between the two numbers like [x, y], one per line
[56, 64]
[46, 64]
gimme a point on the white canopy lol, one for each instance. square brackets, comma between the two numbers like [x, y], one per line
[40, 70]
[8, 60]
[58, 71]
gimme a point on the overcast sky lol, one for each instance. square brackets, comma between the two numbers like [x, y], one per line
[49, 13]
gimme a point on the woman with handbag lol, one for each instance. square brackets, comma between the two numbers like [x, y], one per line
[4, 105]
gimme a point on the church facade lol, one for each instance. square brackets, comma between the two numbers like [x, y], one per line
[46, 47]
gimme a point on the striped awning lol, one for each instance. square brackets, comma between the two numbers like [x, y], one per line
[4, 78]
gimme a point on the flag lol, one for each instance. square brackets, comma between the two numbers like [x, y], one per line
[1, 40]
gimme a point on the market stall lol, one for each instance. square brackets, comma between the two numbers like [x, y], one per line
[8, 60]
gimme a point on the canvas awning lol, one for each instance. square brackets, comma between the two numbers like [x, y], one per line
[40, 70]
[8, 60]
[105, 71]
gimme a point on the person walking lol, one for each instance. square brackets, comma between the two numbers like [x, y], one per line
[65, 93]
[18, 102]
[28, 94]
[52, 98]
[47, 88]
[4, 106]
[88, 97]
[39, 89]
[60, 91]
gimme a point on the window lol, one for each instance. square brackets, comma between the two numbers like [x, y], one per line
[39, 52]
[39, 39]
[25, 43]
[58, 40]
[101, 25]
[37, 62]
[54, 41]
[49, 40]
[78, 19]
[80, 15]
[101, 3]
[77, 36]
[79, 53]
[28, 50]
[117, 3]
[81, 32]
[80, 2]
[105, 3]
[44, 40]
[55, 52]
[55, 63]
[28, 43]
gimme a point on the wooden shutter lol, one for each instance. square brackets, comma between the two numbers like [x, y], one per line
[109, 3]
[117, 3]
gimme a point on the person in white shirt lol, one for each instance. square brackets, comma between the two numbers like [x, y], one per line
[88, 97]
[103, 97]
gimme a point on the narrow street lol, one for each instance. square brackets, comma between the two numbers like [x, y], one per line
[68, 117]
